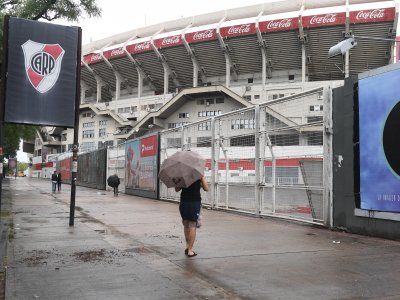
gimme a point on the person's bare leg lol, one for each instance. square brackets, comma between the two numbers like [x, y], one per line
[191, 239]
[187, 232]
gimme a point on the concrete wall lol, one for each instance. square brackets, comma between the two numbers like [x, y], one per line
[344, 200]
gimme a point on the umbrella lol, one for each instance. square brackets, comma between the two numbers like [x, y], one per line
[113, 181]
[182, 169]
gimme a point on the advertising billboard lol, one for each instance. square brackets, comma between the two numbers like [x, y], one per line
[379, 125]
[142, 166]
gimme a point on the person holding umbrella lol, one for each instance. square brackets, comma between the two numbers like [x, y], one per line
[114, 182]
[185, 172]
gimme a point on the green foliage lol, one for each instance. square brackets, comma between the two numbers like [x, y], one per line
[22, 166]
[49, 10]
[13, 134]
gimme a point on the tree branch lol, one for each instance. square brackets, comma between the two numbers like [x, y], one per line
[43, 12]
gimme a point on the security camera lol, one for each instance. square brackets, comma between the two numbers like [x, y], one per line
[342, 47]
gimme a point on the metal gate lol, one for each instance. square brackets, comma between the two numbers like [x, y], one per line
[265, 160]
[116, 164]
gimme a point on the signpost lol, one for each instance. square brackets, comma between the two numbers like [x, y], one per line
[41, 79]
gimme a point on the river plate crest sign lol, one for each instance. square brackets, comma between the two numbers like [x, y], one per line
[42, 67]
[42, 64]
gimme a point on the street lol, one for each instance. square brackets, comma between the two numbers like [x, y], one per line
[128, 247]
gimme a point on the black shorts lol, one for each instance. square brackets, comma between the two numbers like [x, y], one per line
[190, 210]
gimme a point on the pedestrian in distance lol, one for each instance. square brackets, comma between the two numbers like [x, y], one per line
[59, 180]
[114, 182]
[54, 181]
[189, 209]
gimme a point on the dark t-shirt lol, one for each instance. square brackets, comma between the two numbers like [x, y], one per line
[192, 193]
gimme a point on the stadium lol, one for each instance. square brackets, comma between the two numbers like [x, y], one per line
[241, 86]
[138, 79]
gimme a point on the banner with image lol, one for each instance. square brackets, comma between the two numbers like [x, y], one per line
[142, 165]
[379, 124]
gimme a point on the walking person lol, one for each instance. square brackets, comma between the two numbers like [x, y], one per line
[59, 180]
[54, 181]
[184, 171]
[114, 182]
[189, 209]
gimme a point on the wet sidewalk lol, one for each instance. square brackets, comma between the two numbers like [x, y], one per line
[128, 247]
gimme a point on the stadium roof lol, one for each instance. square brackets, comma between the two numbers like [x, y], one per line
[285, 32]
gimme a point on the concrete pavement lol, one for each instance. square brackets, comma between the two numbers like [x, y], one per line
[128, 247]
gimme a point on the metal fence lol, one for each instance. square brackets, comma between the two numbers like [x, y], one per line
[271, 159]
[116, 164]
[92, 169]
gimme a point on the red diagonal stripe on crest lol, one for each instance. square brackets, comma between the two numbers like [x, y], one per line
[35, 78]
[53, 50]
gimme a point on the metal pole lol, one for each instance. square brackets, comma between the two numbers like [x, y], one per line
[213, 163]
[226, 178]
[2, 99]
[74, 166]
[303, 63]
[257, 159]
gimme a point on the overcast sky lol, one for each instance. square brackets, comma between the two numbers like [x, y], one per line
[123, 15]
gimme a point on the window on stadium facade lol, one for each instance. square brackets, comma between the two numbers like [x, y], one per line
[315, 138]
[285, 140]
[242, 124]
[87, 134]
[248, 140]
[204, 141]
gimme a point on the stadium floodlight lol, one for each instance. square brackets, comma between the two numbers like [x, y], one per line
[342, 47]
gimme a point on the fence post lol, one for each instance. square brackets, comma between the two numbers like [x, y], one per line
[263, 133]
[213, 163]
[327, 160]
[257, 159]
[182, 138]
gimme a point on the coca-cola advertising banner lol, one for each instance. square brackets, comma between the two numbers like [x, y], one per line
[139, 47]
[169, 41]
[279, 25]
[201, 36]
[238, 30]
[324, 20]
[312, 21]
[372, 15]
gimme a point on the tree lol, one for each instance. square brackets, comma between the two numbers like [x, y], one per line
[49, 10]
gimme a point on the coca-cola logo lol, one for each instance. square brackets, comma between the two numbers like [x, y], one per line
[202, 35]
[142, 46]
[279, 24]
[239, 29]
[371, 14]
[116, 52]
[325, 19]
[172, 40]
[95, 57]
